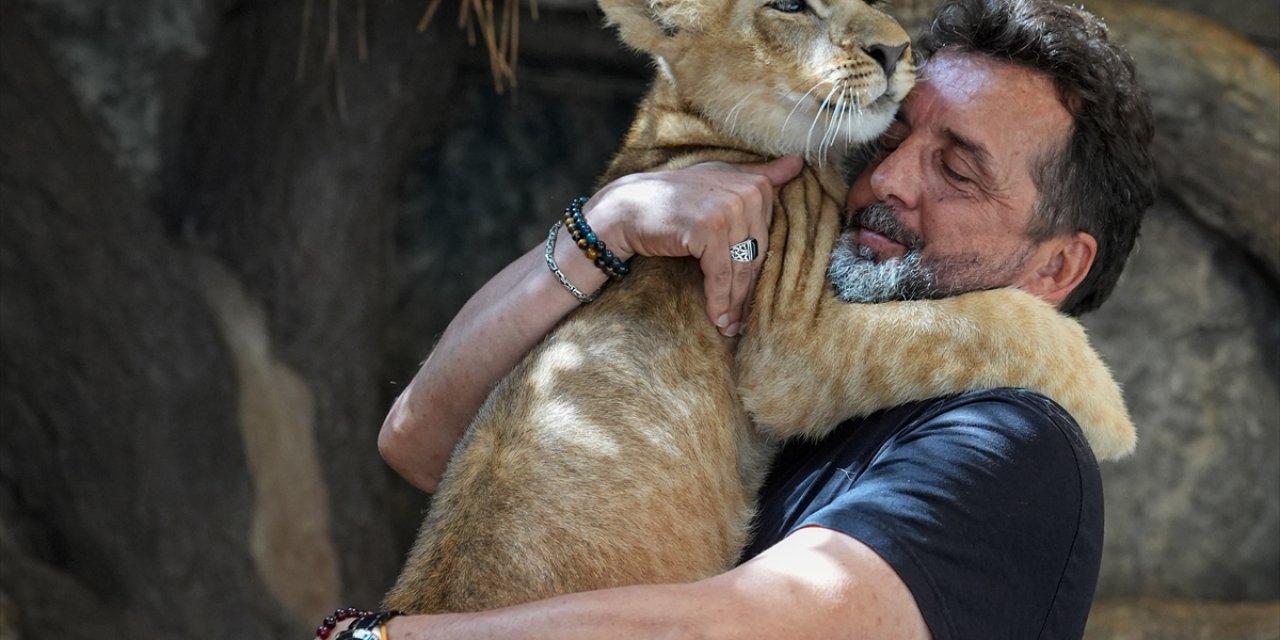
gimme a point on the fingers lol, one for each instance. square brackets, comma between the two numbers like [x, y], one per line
[758, 228]
[717, 283]
[698, 211]
[729, 283]
[728, 289]
[779, 171]
[752, 223]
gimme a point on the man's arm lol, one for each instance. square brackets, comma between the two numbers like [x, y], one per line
[699, 212]
[815, 583]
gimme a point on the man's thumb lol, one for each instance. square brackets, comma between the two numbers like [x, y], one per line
[779, 171]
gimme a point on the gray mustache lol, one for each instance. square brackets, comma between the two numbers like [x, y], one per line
[882, 219]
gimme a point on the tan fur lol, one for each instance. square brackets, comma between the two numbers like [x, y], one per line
[618, 452]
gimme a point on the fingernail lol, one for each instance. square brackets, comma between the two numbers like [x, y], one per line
[732, 330]
[722, 321]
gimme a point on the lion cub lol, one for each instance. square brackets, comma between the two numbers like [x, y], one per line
[620, 451]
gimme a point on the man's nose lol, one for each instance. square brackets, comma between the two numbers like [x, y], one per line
[895, 178]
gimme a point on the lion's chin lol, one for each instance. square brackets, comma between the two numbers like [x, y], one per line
[821, 135]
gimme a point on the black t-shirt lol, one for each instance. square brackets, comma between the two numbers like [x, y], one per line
[988, 505]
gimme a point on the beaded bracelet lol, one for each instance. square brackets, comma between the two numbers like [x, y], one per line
[362, 629]
[369, 627]
[594, 247]
[345, 613]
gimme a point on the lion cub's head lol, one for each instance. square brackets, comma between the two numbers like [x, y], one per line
[784, 76]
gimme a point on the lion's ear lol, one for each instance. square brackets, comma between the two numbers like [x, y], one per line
[651, 25]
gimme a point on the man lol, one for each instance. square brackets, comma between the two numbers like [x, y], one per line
[1019, 160]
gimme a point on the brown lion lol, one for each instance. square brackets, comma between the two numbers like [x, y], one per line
[628, 447]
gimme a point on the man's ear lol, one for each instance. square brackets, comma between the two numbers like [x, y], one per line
[1059, 266]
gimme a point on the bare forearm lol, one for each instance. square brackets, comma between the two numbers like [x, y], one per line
[814, 584]
[630, 612]
[705, 610]
[492, 332]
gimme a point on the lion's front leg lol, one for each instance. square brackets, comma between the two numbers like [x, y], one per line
[788, 363]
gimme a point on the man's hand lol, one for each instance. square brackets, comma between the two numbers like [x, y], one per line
[699, 211]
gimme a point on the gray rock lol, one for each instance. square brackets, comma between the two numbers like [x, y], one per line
[1192, 334]
[119, 58]
[1152, 619]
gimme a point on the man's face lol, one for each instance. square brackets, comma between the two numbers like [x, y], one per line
[946, 206]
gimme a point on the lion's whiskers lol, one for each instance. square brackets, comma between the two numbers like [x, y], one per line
[823, 143]
[833, 124]
[854, 110]
[732, 117]
[800, 102]
[842, 116]
[816, 116]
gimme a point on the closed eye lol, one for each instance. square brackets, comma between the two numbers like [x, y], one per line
[953, 174]
[948, 166]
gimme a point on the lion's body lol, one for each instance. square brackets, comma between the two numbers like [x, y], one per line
[620, 451]
[613, 455]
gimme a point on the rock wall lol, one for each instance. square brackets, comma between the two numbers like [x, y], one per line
[263, 232]
[197, 202]
[1193, 331]
[111, 501]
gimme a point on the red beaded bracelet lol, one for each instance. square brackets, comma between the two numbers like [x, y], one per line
[344, 613]
[366, 622]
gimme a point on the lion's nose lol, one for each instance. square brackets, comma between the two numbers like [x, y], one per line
[887, 56]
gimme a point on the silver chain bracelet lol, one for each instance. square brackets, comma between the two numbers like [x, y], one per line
[555, 269]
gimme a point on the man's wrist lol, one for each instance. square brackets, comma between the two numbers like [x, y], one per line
[607, 223]
[574, 265]
[367, 626]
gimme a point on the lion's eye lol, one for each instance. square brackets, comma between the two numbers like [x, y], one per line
[788, 6]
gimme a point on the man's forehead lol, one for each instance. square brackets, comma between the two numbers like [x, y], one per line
[962, 78]
[981, 97]
[961, 75]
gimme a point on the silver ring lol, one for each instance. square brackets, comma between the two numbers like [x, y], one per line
[744, 251]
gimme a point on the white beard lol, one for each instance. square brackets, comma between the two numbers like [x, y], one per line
[857, 277]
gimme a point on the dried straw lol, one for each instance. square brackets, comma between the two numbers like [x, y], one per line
[498, 27]
[500, 31]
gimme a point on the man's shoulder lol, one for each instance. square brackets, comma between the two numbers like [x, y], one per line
[1013, 419]
[1032, 404]
[993, 490]
[1017, 431]
[1014, 412]
[1012, 469]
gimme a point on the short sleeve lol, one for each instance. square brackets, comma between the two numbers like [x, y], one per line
[990, 512]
